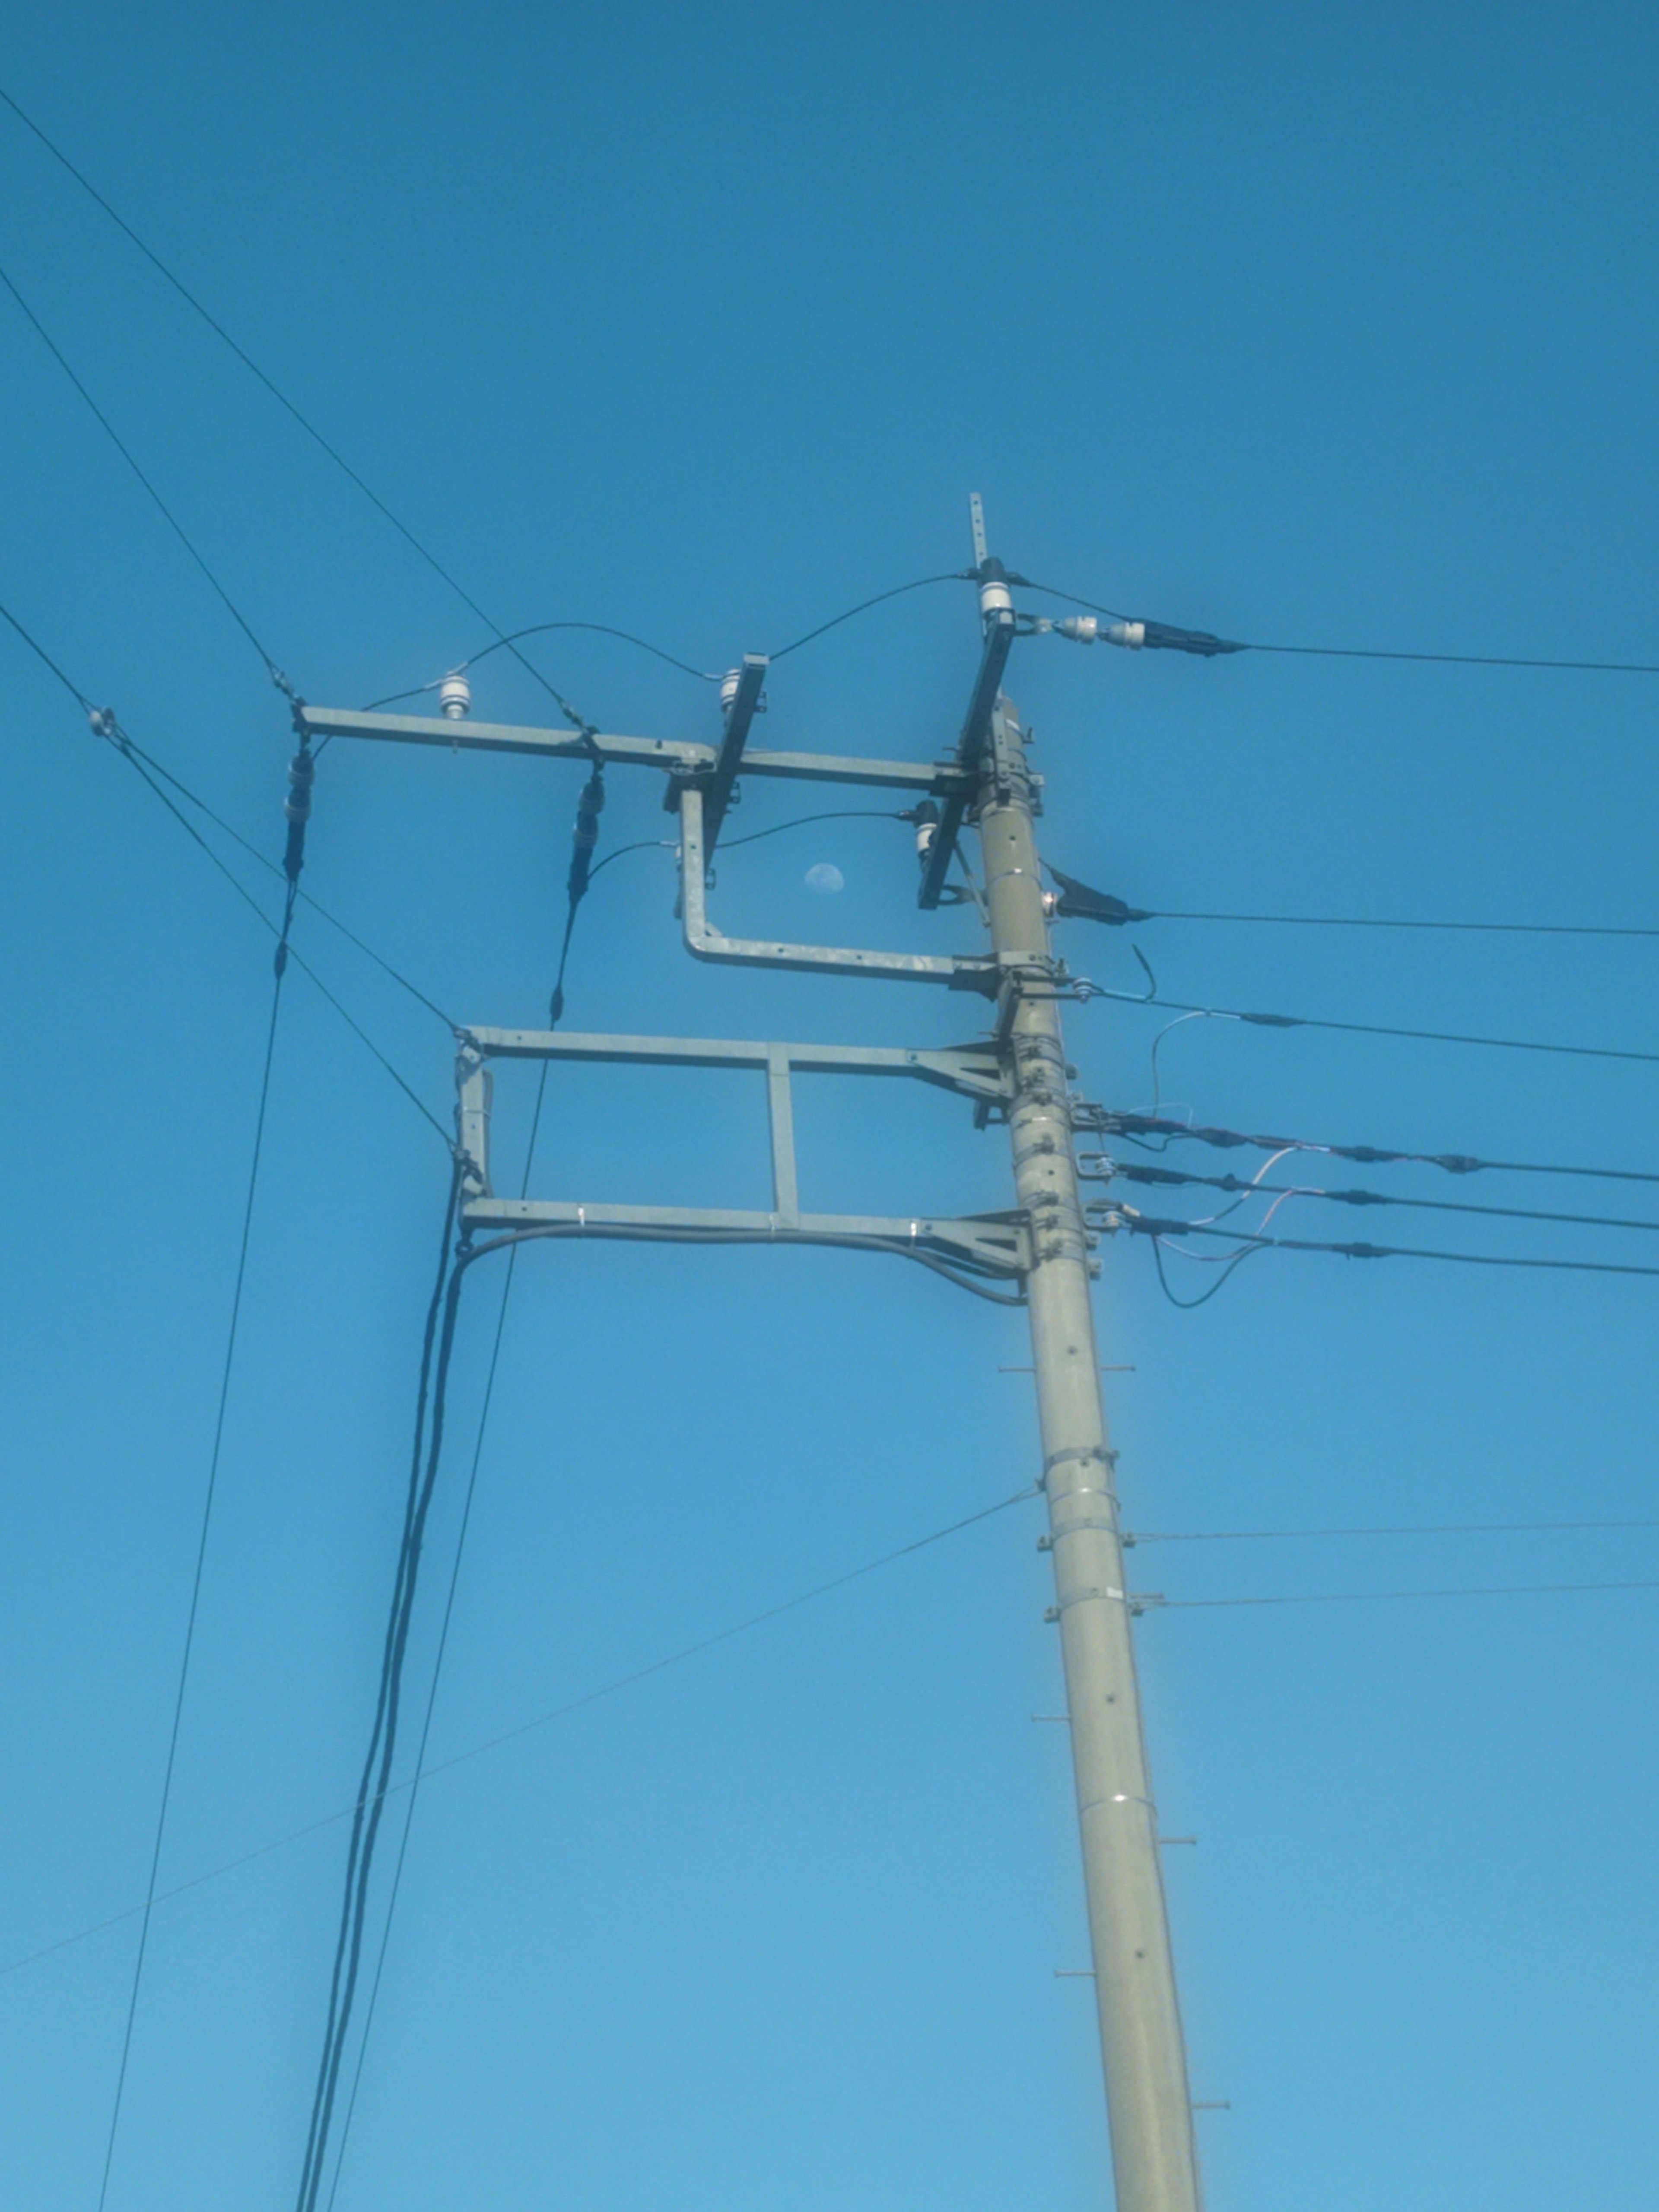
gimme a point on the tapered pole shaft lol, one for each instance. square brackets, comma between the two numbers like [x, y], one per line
[1148, 2101]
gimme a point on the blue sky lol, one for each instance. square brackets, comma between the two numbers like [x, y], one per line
[1299, 325]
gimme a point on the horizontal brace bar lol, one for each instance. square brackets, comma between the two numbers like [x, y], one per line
[673, 755]
[994, 1245]
[972, 1070]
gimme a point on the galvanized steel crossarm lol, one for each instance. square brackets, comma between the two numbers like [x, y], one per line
[673, 755]
[973, 1071]
[994, 1245]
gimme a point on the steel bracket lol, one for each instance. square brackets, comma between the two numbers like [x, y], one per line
[704, 942]
[996, 1245]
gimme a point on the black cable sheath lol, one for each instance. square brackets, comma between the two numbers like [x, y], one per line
[949, 576]
[1362, 652]
[1242, 1187]
[1460, 1164]
[371, 1793]
[1143, 1225]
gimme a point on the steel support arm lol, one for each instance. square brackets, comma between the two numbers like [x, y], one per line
[971, 749]
[704, 942]
[676, 756]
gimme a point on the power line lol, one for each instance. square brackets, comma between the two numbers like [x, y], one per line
[536, 629]
[1085, 988]
[1205, 642]
[149, 1905]
[289, 407]
[580, 1704]
[949, 576]
[1143, 1225]
[104, 724]
[1110, 1123]
[382, 1747]
[1370, 921]
[1418, 1528]
[443, 1644]
[1131, 1171]
[167, 512]
[1149, 1603]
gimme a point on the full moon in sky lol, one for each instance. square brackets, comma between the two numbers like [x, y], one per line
[825, 877]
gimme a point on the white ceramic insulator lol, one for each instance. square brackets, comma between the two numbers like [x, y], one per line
[995, 599]
[455, 696]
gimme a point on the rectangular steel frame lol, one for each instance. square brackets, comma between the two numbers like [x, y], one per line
[992, 1244]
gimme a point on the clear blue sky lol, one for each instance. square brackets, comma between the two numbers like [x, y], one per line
[1305, 324]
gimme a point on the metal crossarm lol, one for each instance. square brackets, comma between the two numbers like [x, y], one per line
[997, 1245]
[675, 755]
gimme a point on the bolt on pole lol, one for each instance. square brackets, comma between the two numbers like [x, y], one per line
[1148, 2102]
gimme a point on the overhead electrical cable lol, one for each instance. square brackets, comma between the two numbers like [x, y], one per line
[1131, 1171]
[588, 1698]
[537, 629]
[569, 712]
[1149, 1603]
[1145, 1225]
[193, 1610]
[104, 724]
[430, 1393]
[1404, 1528]
[486, 1402]
[167, 512]
[1084, 988]
[948, 576]
[1371, 921]
[1206, 643]
[1108, 1122]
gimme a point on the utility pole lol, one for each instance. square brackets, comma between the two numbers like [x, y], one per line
[1019, 1075]
[1153, 2154]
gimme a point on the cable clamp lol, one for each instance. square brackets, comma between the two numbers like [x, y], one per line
[1103, 1452]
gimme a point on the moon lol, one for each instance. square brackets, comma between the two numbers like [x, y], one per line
[825, 877]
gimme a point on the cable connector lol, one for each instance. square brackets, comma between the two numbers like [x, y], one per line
[589, 807]
[301, 775]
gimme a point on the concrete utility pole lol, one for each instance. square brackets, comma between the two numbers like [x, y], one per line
[1153, 2156]
[1019, 1075]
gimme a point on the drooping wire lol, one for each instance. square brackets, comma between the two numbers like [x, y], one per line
[569, 712]
[105, 724]
[1108, 1122]
[1229, 1270]
[1210, 645]
[949, 576]
[1422, 1528]
[1131, 1171]
[1083, 987]
[396, 1885]
[430, 1393]
[1368, 921]
[279, 932]
[539, 630]
[137, 752]
[166, 512]
[459, 1758]
[753, 836]
[227, 1368]
[1144, 1226]
[1158, 1604]
[801, 821]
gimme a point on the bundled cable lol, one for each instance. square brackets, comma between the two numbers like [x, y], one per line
[383, 1737]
